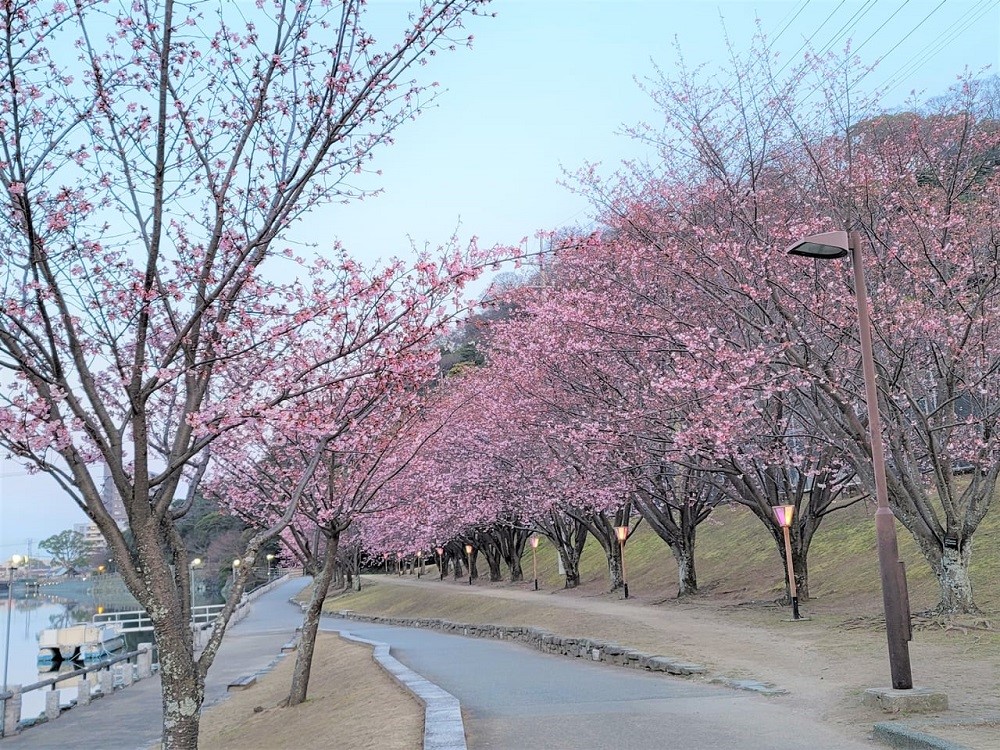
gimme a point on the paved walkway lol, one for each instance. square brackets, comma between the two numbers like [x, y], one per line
[515, 697]
[131, 719]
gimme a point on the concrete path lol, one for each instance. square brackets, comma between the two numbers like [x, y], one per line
[131, 719]
[515, 697]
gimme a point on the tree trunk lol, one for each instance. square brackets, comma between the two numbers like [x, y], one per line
[614, 567]
[687, 581]
[310, 625]
[516, 571]
[951, 569]
[571, 564]
[182, 686]
[456, 562]
[493, 561]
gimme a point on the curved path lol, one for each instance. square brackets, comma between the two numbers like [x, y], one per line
[513, 697]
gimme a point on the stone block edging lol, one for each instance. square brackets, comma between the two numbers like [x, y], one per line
[443, 726]
[898, 734]
[542, 640]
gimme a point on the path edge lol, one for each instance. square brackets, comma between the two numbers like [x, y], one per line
[443, 725]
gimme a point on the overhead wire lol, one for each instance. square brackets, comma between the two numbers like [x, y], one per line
[950, 34]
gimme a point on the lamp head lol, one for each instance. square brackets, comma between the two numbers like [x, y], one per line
[826, 246]
[784, 514]
[533, 539]
[621, 532]
[468, 549]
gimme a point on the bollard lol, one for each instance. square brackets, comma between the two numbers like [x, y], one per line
[52, 705]
[12, 712]
[145, 660]
[107, 682]
[127, 674]
[83, 693]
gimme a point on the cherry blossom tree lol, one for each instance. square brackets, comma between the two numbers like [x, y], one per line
[153, 158]
[749, 167]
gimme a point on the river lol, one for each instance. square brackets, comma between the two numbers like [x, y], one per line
[58, 606]
[29, 617]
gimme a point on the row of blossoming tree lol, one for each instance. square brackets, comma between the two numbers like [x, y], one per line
[678, 358]
[155, 161]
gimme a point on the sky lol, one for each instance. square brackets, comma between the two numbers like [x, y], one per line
[548, 86]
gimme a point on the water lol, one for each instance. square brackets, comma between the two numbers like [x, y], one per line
[59, 606]
[28, 618]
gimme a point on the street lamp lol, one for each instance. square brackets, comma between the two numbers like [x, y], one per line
[622, 533]
[784, 515]
[468, 556]
[236, 565]
[16, 561]
[270, 557]
[196, 563]
[533, 540]
[440, 551]
[895, 598]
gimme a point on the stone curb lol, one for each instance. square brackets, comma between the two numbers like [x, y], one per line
[443, 726]
[542, 640]
[897, 734]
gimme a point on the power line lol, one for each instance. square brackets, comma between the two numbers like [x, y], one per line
[801, 7]
[955, 30]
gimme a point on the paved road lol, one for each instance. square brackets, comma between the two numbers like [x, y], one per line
[515, 697]
[132, 718]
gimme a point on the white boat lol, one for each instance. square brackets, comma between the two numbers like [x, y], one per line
[84, 642]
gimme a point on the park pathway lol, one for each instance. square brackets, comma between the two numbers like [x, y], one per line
[515, 697]
[131, 719]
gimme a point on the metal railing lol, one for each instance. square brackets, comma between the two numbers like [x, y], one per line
[10, 700]
[136, 620]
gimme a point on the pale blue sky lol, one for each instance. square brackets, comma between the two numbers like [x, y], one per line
[547, 87]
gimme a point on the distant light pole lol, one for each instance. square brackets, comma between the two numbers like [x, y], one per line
[784, 515]
[440, 551]
[16, 561]
[468, 557]
[236, 565]
[622, 533]
[399, 563]
[196, 563]
[270, 558]
[533, 540]
[895, 598]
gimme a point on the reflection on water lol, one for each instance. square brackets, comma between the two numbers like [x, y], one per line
[60, 606]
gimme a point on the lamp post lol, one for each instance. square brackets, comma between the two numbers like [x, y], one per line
[784, 515]
[440, 551]
[16, 561]
[196, 563]
[622, 533]
[468, 559]
[895, 598]
[236, 565]
[270, 558]
[533, 540]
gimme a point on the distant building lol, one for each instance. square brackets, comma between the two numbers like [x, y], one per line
[112, 501]
[92, 537]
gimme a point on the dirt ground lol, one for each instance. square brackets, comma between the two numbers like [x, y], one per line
[825, 662]
[352, 705]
